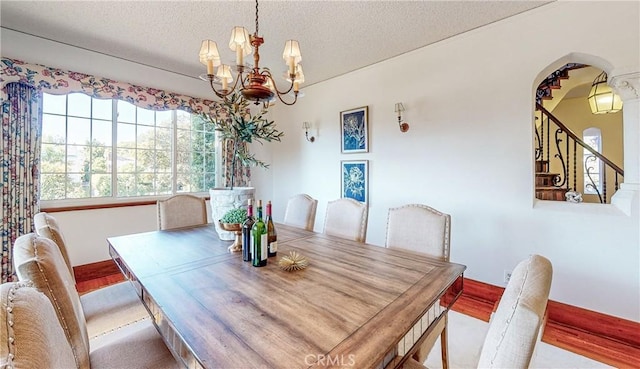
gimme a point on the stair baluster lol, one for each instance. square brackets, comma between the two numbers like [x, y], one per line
[556, 185]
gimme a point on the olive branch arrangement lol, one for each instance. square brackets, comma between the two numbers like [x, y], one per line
[234, 121]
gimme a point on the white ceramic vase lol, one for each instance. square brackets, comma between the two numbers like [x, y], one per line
[224, 199]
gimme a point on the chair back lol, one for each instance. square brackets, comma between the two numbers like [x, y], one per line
[30, 334]
[513, 330]
[181, 211]
[346, 218]
[419, 228]
[39, 260]
[47, 226]
[301, 211]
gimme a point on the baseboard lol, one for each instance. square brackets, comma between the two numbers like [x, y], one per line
[608, 339]
[478, 299]
[605, 338]
[622, 330]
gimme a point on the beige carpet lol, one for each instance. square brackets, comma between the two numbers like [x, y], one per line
[466, 335]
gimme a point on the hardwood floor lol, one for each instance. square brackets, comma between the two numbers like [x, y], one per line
[601, 337]
[92, 276]
[96, 283]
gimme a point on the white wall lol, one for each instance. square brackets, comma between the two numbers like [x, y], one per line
[469, 101]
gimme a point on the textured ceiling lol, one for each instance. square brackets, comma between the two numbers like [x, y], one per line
[336, 37]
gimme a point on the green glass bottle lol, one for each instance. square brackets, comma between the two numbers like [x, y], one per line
[259, 240]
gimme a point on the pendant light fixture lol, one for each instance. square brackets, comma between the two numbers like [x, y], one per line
[602, 99]
[256, 84]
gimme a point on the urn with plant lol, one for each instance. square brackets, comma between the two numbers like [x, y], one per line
[238, 124]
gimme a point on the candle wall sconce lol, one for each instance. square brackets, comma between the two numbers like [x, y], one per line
[307, 126]
[404, 126]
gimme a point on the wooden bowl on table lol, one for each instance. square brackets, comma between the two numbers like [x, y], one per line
[236, 228]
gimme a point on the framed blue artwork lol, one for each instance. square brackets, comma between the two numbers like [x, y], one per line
[354, 128]
[355, 179]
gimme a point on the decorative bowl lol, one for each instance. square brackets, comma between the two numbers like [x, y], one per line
[236, 228]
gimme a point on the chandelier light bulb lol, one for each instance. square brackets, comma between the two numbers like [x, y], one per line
[209, 55]
[240, 42]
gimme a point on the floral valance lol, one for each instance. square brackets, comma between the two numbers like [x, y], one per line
[58, 81]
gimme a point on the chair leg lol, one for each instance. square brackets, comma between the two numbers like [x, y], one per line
[443, 343]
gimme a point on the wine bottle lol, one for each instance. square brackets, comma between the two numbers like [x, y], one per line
[259, 240]
[246, 233]
[272, 236]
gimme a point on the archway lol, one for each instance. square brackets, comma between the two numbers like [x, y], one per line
[564, 160]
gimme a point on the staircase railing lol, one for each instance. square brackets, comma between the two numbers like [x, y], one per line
[564, 134]
[546, 87]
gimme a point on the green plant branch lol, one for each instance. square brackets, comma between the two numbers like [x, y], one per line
[233, 121]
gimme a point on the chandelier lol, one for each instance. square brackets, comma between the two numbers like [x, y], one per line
[601, 98]
[256, 84]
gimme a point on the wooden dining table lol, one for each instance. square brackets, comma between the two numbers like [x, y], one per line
[354, 306]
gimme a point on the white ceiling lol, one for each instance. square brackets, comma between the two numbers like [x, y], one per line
[336, 37]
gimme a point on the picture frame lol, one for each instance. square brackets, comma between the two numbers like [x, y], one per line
[354, 182]
[354, 130]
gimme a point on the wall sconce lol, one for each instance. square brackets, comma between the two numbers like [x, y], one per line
[404, 126]
[307, 126]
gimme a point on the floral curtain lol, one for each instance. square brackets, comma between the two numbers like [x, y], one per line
[57, 81]
[21, 136]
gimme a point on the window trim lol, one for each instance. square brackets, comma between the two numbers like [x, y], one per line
[55, 206]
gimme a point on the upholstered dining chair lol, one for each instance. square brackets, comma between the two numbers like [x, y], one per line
[346, 218]
[106, 309]
[426, 230]
[181, 211]
[47, 226]
[38, 260]
[419, 228]
[31, 336]
[515, 326]
[301, 211]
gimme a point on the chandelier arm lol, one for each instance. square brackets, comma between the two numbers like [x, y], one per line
[295, 93]
[221, 94]
[242, 77]
[275, 86]
[235, 84]
[218, 93]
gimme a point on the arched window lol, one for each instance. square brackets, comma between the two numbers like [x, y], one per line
[592, 166]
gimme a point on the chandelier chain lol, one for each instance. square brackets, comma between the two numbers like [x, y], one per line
[256, 17]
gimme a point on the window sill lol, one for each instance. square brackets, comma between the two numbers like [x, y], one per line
[623, 203]
[54, 206]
